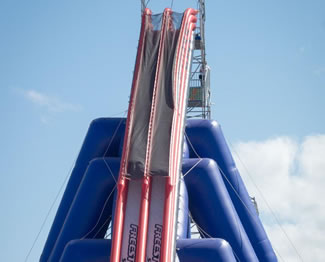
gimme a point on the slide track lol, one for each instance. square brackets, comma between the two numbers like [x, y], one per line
[145, 215]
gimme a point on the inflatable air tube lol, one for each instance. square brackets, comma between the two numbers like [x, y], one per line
[91, 209]
[188, 250]
[208, 140]
[212, 208]
[99, 136]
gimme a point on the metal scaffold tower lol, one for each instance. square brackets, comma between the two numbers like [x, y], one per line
[199, 105]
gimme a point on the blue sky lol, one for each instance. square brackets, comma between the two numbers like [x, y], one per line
[64, 63]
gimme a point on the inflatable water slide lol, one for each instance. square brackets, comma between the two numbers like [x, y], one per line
[140, 183]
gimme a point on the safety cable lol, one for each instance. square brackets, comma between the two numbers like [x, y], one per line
[110, 170]
[114, 134]
[232, 187]
[241, 200]
[111, 173]
[204, 233]
[188, 171]
[100, 216]
[200, 159]
[267, 204]
[109, 231]
[63, 184]
[50, 210]
[102, 227]
[188, 139]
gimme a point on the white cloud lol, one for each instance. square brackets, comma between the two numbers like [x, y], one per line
[291, 176]
[50, 103]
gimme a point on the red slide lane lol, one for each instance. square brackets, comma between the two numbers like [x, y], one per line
[182, 67]
[122, 187]
[146, 186]
[180, 75]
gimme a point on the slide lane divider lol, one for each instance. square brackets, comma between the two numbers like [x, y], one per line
[180, 82]
[181, 76]
[147, 179]
[122, 187]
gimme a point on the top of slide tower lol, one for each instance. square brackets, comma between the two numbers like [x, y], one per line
[199, 105]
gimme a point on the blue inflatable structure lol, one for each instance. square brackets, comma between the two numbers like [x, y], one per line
[211, 193]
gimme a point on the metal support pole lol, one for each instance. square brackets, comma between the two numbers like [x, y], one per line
[199, 99]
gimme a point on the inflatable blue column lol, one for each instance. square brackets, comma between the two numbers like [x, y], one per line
[103, 132]
[212, 208]
[208, 141]
[91, 208]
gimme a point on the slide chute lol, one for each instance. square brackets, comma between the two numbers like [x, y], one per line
[151, 158]
[154, 173]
